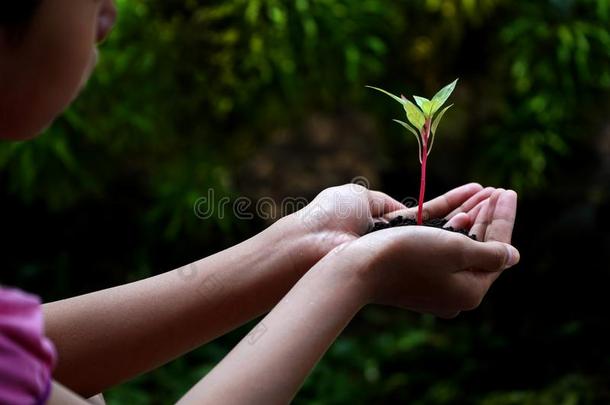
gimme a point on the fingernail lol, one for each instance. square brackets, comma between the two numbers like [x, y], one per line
[513, 256]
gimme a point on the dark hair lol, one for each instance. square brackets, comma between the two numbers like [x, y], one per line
[14, 13]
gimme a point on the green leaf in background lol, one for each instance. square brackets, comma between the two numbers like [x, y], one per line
[439, 99]
[414, 114]
[435, 123]
[414, 132]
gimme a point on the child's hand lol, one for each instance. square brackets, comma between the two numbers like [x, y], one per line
[431, 270]
[342, 214]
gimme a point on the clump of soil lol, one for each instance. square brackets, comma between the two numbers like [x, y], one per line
[401, 221]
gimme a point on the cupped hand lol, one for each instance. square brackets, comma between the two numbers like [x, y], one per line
[432, 270]
[344, 213]
[459, 207]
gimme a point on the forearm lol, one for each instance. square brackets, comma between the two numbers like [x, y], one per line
[106, 337]
[270, 364]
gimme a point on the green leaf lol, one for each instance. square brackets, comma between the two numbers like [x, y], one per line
[425, 105]
[441, 97]
[435, 123]
[414, 132]
[400, 100]
[414, 114]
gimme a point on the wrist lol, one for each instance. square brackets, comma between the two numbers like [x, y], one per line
[291, 241]
[314, 241]
[363, 259]
[347, 267]
[303, 246]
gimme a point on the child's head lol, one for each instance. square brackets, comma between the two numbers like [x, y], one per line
[47, 53]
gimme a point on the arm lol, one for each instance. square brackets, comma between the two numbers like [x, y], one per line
[270, 364]
[423, 269]
[106, 337]
[109, 336]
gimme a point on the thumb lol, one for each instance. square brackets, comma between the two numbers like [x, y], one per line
[491, 256]
[381, 203]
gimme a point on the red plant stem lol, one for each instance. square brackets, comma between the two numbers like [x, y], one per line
[425, 134]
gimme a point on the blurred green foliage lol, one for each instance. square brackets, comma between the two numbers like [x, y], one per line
[188, 91]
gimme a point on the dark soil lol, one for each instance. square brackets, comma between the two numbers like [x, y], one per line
[400, 221]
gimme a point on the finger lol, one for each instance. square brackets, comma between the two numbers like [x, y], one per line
[503, 218]
[381, 203]
[479, 225]
[460, 221]
[472, 202]
[484, 217]
[474, 213]
[489, 256]
[442, 205]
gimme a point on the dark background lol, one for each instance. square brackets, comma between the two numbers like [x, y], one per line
[266, 98]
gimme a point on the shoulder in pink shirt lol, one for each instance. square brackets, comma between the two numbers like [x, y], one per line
[27, 357]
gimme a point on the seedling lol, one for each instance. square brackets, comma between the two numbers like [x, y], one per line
[424, 119]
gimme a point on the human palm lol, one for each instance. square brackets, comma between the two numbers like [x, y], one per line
[430, 270]
[344, 213]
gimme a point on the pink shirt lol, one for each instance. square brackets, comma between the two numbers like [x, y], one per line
[26, 356]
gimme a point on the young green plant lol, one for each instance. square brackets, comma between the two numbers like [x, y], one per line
[424, 119]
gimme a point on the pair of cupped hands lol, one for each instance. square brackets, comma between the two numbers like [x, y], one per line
[420, 268]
